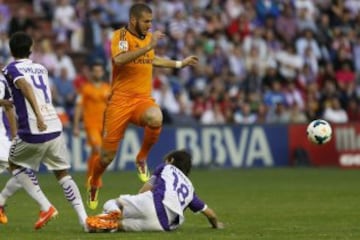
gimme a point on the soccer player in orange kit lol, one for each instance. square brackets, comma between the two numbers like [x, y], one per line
[91, 104]
[133, 58]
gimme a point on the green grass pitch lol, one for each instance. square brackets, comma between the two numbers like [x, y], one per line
[284, 203]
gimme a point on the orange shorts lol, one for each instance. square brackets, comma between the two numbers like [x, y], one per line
[119, 113]
[94, 136]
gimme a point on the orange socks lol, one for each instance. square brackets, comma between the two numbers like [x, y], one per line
[98, 169]
[151, 136]
[90, 164]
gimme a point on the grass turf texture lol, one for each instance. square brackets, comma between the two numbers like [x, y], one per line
[291, 204]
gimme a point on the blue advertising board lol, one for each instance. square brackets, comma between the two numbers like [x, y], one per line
[211, 146]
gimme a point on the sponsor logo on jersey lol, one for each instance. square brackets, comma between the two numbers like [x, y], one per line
[123, 46]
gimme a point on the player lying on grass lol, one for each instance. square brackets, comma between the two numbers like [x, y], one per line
[160, 204]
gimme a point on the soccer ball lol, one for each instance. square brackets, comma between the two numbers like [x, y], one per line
[319, 131]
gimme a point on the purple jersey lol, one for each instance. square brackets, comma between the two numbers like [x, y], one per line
[175, 192]
[37, 76]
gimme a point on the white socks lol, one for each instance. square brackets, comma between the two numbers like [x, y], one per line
[30, 183]
[72, 194]
[11, 186]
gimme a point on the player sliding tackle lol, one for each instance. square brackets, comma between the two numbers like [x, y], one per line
[160, 204]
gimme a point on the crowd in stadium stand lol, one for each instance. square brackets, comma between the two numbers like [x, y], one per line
[261, 61]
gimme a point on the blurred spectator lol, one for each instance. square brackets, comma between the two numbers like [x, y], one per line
[305, 77]
[313, 108]
[93, 37]
[213, 115]
[48, 56]
[243, 114]
[199, 106]
[234, 8]
[64, 61]
[334, 113]
[236, 62]
[293, 96]
[286, 25]
[289, 62]
[304, 22]
[274, 95]
[105, 11]
[218, 60]
[261, 114]
[4, 48]
[308, 5]
[20, 21]
[120, 12]
[273, 45]
[252, 81]
[255, 41]
[297, 115]
[279, 114]
[353, 6]
[265, 8]
[271, 75]
[5, 12]
[214, 24]
[44, 8]
[353, 110]
[178, 25]
[64, 92]
[65, 22]
[239, 28]
[198, 20]
[345, 76]
[82, 77]
[308, 43]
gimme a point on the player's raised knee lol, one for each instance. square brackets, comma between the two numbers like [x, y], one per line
[153, 117]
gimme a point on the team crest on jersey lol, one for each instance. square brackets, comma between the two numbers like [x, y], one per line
[123, 45]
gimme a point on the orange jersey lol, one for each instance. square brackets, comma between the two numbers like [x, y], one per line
[133, 79]
[94, 100]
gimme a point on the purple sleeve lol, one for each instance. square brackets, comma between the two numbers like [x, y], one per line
[11, 73]
[158, 170]
[196, 204]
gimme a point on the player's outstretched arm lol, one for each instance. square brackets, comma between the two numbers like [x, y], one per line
[168, 63]
[212, 218]
[148, 186]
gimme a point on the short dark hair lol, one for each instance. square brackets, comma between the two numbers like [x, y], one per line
[180, 159]
[20, 44]
[137, 9]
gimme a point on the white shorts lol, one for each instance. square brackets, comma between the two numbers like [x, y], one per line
[4, 153]
[139, 212]
[53, 154]
[3, 166]
[4, 149]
